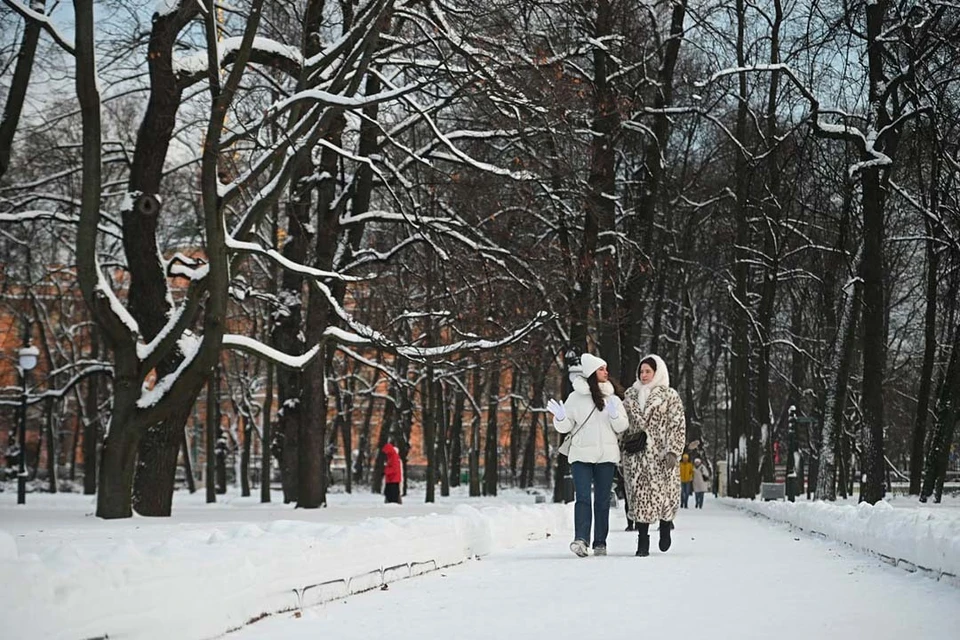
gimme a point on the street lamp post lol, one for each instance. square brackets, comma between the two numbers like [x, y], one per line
[28, 360]
[791, 479]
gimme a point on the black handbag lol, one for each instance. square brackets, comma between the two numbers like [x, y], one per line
[634, 442]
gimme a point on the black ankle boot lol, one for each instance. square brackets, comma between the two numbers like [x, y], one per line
[665, 527]
[643, 540]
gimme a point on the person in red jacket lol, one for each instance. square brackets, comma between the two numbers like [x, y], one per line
[392, 473]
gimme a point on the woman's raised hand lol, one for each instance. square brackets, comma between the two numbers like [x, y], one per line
[556, 409]
[612, 409]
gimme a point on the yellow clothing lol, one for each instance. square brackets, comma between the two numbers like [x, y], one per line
[686, 471]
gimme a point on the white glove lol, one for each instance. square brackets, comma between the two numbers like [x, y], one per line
[612, 409]
[554, 407]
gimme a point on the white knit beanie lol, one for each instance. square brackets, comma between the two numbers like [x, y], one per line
[590, 363]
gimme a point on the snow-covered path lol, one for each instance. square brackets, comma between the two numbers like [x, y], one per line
[728, 575]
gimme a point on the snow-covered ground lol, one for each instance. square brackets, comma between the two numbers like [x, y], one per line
[491, 566]
[728, 575]
[209, 568]
[901, 531]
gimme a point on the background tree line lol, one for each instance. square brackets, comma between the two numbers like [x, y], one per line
[327, 215]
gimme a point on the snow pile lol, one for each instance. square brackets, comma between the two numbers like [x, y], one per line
[200, 581]
[926, 538]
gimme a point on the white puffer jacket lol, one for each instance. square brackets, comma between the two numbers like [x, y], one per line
[596, 439]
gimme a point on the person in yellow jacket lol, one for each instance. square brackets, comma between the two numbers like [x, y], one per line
[686, 480]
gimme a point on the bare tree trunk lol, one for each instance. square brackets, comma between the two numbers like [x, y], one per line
[17, 91]
[743, 478]
[768, 290]
[313, 429]
[929, 347]
[247, 431]
[475, 432]
[443, 451]
[602, 182]
[430, 412]
[91, 425]
[363, 446]
[491, 458]
[51, 449]
[456, 436]
[266, 448]
[651, 179]
[528, 470]
[948, 412]
[874, 336]
[516, 431]
[75, 441]
[187, 463]
[149, 296]
[839, 367]
[346, 434]
[212, 426]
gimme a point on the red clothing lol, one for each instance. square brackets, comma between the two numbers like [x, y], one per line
[393, 469]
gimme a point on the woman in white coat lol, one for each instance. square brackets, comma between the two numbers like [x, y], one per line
[593, 416]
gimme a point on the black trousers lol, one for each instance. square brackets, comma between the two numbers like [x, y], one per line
[392, 492]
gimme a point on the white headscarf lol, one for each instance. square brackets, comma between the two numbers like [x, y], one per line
[661, 378]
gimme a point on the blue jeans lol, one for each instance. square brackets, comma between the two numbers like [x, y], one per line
[699, 499]
[600, 475]
[686, 488]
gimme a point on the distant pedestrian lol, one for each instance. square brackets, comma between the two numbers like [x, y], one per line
[392, 473]
[593, 416]
[686, 480]
[653, 479]
[701, 481]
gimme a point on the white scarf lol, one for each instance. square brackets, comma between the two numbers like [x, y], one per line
[661, 378]
[580, 385]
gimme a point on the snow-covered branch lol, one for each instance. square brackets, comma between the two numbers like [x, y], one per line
[45, 23]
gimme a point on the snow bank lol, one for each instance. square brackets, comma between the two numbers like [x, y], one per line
[200, 581]
[924, 538]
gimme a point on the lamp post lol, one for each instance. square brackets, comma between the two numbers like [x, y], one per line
[791, 479]
[28, 360]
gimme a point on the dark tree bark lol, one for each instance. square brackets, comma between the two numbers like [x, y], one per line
[948, 412]
[247, 431]
[293, 417]
[491, 458]
[149, 296]
[528, 470]
[743, 477]
[768, 288]
[429, 410]
[266, 438]
[874, 336]
[651, 179]
[313, 429]
[187, 463]
[602, 184]
[17, 92]
[443, 450]
[212, 427]
[838, 381]
[456, 436]
[475, 431]
[516, 429]
[91, 421]
[929, 347]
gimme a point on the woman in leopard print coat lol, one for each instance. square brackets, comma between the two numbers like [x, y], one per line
[652, 477]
